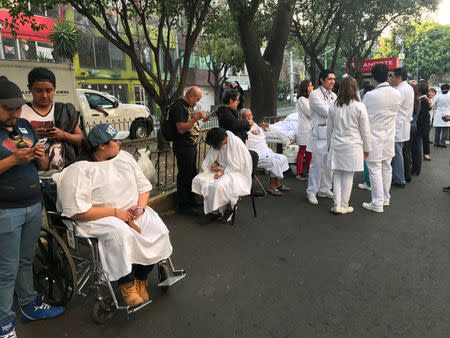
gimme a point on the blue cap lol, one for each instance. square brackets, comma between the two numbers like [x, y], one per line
[102, 133]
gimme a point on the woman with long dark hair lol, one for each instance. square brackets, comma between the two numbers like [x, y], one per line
[304, 128]
[348, 139]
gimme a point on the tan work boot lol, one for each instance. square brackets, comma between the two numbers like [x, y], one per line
[141, 288]
[130, 295]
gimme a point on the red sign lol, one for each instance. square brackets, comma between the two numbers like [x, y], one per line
[392, 63]
[25, 31]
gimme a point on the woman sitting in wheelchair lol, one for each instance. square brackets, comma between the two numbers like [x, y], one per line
[107, 195]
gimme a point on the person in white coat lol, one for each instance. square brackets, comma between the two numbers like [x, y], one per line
[348, 140]
[275, 164]
[319, 178]
[382, 105]
[441, 127]
[107, 195]
[303, 128]
[226, 174]
[402, 124]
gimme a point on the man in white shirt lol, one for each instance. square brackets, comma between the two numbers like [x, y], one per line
[402, 124]
[382, 105]
[319, 180]
[275, 164]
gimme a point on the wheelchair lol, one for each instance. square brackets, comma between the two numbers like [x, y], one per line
[67, 264]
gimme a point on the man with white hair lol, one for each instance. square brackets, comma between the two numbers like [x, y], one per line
[276, 164]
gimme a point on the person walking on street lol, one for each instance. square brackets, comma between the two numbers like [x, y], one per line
[319, 178]
[423, 128]
[382, 105]
[20, 212]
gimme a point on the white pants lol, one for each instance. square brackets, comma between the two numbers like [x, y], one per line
[380, 174]
[342, 186]
[319, 177]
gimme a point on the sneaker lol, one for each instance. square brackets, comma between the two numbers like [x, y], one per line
[446, 189]
[370, 206]
[386, 203]
[302, 177]
[346, 210]
[227, 216]
[130, 295]
[327, 194]
[7, 328]
[214, 217]
[312, 199]
[141, 288]
[364, 186]
[336, 209]
[39, 310]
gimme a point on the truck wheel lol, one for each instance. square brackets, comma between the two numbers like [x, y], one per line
[139, 129]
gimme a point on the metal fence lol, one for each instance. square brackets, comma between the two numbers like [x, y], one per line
[164, 160]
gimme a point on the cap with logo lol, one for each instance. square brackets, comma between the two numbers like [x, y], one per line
[10, 94]
[102, 133]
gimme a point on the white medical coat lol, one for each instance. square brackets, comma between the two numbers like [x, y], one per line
[236, 181]
[382, 105]
[348, 136]
[304, 121]
[442, 104]
[319, 104]
[405, 112]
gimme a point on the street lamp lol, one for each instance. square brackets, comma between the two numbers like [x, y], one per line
[325, 53]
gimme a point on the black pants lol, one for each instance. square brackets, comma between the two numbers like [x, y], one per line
[425, 134]
[139, 272]
[416, 152]
[187, 169]
[407, 160]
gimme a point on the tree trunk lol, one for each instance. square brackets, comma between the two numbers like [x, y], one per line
[264, 70]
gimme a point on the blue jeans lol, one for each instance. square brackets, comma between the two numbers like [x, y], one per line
[398, 167]
[440, 135]
[19, 232]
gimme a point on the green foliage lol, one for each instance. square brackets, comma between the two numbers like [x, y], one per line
[426, 43]
[65, 38]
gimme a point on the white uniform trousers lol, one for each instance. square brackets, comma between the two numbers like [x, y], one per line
[319, 177]
[380, 173]
[342, 186]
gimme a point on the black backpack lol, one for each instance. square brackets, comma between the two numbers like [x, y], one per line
[168, 128]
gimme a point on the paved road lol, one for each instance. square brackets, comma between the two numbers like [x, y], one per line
[298, 271]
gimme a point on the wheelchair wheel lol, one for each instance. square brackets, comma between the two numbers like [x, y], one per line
[53, 268]
[103, 310]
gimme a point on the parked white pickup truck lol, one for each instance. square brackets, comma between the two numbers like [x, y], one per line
[131, 120]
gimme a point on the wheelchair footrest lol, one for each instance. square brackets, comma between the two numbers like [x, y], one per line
[177, 276]
[132, 309]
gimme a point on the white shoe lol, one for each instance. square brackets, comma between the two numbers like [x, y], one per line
[364, 186]
[386, 203]
[370, 206]
[336, 209]
[327, 194]
[346, 210]
[312, 199]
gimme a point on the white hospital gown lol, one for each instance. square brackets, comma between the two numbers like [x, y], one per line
[115, 183]
[236, 181]
[275, 163]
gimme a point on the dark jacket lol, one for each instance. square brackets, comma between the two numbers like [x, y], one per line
[229, 120]
[423, 118]
[66, 119]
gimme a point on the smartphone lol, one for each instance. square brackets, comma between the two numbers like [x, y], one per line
[42, 141]
[50, 129]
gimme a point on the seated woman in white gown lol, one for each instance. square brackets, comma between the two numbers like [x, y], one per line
[275, 164]
[107, 195]
[226, 174]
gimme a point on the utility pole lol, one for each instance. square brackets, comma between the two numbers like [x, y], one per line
[417, 60]
[2, 50]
